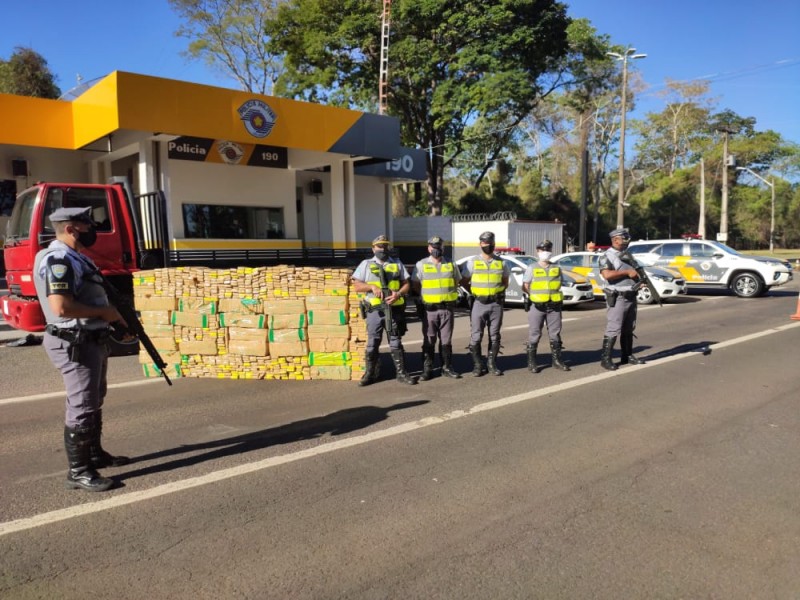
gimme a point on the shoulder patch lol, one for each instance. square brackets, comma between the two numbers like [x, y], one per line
[59, 270]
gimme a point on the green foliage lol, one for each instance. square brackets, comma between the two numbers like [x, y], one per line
[451, 61]
[26, 73]
[229, 36]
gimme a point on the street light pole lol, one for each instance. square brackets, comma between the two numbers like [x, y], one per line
[771, 184]
[629, 53]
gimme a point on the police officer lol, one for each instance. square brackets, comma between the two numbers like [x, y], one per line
[78, 315]
[621, 281]
[542, 283]
[385, 282]
[436, 279]
[486, 276]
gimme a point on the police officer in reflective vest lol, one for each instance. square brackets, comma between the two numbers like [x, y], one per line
[620, 289]
[435, 279]
[78, 315]
[385, 282]
[542, 283]
[486, 275]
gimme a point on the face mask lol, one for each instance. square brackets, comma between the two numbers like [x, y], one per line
[381, 254]
[545, 255]
[436, 252]
[87, 238]
[488, 248]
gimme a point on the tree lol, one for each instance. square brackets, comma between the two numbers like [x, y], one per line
[669, 140]
[26, 74]
[229, 35]
[450, 61]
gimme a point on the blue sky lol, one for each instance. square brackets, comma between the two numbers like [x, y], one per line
[749, 51]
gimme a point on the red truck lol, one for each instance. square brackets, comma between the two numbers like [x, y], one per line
[130, 235]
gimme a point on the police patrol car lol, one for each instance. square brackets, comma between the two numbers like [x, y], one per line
[707, 263]
[668, 283]
[574, 287]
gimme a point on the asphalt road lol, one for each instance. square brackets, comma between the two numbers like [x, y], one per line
[676, 479]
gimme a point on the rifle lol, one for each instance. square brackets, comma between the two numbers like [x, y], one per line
[125, 308]
[388, 321]
[643, 278]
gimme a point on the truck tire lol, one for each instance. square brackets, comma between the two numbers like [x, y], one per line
[747, 285]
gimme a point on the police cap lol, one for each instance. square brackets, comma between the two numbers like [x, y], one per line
[620, 232]
[436, 241]
[545, 245]
[486, 236]
[381, 240]
[82, 214]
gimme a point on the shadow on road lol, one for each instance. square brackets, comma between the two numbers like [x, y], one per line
[337, 423]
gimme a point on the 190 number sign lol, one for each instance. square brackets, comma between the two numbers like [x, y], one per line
[269, 156]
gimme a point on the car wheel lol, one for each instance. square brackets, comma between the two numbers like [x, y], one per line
[644, 296]
[747, 285]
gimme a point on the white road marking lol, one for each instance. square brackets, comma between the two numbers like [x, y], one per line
[50, 395]
[81, 510]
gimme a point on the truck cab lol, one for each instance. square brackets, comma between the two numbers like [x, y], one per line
[29, 230]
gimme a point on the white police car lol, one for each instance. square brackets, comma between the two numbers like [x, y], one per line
[707, 263]
[574, 287]
[668, 283]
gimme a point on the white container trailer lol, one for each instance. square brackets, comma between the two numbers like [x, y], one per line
[411, 235]
[508, 233]
[461, 233]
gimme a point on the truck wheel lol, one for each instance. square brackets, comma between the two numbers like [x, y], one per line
[747, 285]
[644, 296]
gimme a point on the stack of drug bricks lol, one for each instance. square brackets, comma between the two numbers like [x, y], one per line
[279, 322]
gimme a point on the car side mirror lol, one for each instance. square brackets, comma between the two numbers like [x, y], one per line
[516, 270]
[717, 255]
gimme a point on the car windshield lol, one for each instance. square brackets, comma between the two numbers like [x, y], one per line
[724, 248]
[525, 260]
[641, 248]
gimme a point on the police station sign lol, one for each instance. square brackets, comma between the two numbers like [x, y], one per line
[228, 152]
[410, 165]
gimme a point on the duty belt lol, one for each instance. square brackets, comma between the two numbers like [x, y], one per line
[628, 294]
[438, 305]
[73, 334]
[488, 299]
[370, 308]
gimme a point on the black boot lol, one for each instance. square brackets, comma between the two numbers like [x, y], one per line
[532, 366]
[427, 363]
[626, 345]
[371, 369]
[608, 347]
[556, 348]
[81, 474]
[399, 358]
[478, 368]
[447, 362]
[99, 457]
[494, 349]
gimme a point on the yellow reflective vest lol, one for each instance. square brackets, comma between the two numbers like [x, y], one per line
[438, 282]
[487, 278]
[392, 273]
[545, 285]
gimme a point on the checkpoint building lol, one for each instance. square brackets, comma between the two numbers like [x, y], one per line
[239, 170]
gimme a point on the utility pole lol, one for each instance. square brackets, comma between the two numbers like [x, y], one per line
[701, 225]
[383, 77]
[629, 53]
[771, 184]
[722, 236]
